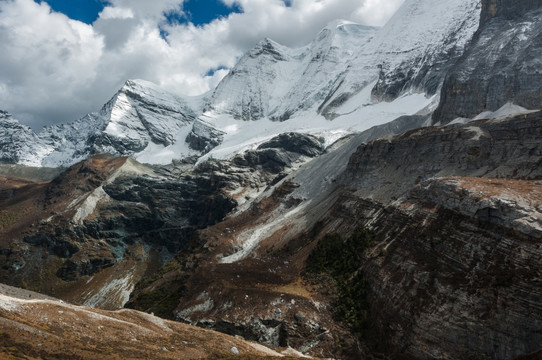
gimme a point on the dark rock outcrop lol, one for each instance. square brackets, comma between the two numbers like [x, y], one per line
[280, 152]
[204, 137]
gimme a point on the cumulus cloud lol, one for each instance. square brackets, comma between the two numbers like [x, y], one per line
[54, 69]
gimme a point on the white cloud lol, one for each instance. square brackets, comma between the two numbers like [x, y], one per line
[111, 12]
[54, 69]
[47, 61]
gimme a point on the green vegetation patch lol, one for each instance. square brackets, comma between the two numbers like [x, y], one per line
[341, 260]
[162, 301]
[8, 218]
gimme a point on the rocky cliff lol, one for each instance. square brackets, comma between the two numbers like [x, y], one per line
[501, 65]
[452, 272]
[459, 257]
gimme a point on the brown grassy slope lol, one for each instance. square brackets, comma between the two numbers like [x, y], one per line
[33, 328]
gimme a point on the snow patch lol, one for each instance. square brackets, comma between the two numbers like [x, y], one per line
[478, 133]
[252, 238]
[164, 155]
[120, 289]
[205, 306]
[508, 109]
[89, 205]
[8, 303]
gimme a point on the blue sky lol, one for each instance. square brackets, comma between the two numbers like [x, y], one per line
[82, 10]
[62, 59]
[198, 12]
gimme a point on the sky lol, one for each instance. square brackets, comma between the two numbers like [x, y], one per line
[62, 59]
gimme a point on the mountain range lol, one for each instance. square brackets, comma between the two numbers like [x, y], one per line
[374, 194]
[349, 78]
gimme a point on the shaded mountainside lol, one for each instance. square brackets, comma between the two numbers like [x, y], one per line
[503, 63]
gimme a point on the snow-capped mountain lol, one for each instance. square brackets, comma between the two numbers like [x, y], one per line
[420, 43]
[274, 81]
[140, 115]
[349, 78]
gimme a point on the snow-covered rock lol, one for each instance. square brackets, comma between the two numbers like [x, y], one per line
[138, 116]
[18, 143]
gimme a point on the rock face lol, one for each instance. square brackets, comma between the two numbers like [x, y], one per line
[501, 65]
[509, 9]
[460, 228]
[280, 152]
[103, 223]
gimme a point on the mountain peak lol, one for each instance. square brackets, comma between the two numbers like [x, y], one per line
[269, 47]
